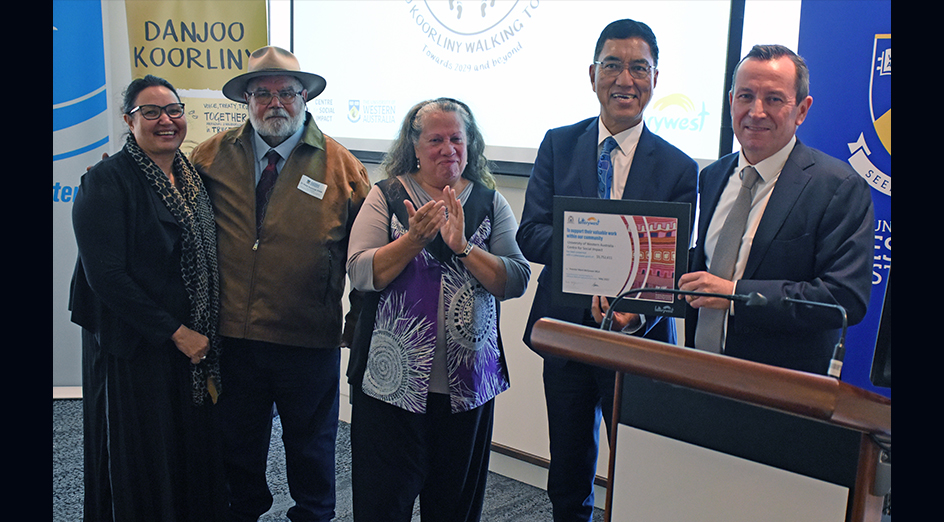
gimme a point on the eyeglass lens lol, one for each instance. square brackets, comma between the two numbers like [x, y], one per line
[265, 97]
[153, 112]
[640, 71]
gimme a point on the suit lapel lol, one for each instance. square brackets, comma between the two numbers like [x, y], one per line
[790, 184]
[710, 192]
[714, 184]
[586, 147]
[641, 167]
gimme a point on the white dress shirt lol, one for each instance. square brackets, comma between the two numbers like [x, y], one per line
[260, 148]
[768, 171]
[621, 156]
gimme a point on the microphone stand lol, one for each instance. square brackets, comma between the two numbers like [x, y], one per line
[839, 352]
[751, 299]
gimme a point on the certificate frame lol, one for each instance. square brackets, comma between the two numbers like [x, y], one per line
[609, 246]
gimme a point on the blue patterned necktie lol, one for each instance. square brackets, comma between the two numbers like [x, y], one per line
[605, 169]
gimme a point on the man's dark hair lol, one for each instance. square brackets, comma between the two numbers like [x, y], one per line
[623, 29]
[774, 52]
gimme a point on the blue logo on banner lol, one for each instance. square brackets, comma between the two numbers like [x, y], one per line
[353, 110]
[78, 76]
[848, 46]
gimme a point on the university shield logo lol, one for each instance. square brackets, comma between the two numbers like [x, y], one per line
[353, 110]
[875, 165]
[880, 89]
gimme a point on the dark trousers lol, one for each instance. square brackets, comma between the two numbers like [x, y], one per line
[95, 430]
[303, 385]
[577, 396]
[439, 456]
[151, 455]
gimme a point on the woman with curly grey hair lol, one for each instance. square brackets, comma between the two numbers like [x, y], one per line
[402, 155]
[434, 247]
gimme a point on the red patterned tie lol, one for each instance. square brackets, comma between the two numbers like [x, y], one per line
[264, 188]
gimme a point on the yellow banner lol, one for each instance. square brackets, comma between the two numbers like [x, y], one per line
[208, 116]
[194, 44]
[197, 46]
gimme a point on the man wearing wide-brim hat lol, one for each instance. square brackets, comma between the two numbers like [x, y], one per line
[285, 196]
[273, 61]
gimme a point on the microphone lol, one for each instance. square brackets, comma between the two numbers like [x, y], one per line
[839, 352]
[751, 299]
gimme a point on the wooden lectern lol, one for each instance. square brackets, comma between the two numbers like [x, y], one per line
[834, 410]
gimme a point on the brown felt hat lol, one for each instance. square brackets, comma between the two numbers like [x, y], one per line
[272, 61]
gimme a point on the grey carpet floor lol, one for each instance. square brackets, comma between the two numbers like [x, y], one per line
[505, 499]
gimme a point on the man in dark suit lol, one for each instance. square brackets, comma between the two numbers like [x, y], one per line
[807, 234]
[644, 167]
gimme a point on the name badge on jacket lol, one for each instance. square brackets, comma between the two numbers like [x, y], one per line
[312, 187]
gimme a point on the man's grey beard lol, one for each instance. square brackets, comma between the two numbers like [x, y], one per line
[278, 127]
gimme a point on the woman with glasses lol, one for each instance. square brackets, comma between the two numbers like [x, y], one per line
[145, 292]
[434, 245]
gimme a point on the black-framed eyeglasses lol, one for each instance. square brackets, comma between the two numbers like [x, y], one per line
[265, 97]
[153, 112]
[613, 68]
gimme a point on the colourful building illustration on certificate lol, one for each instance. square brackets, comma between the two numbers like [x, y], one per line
[608, 254]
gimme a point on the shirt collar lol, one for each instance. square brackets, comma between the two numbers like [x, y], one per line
[261, 148]
[769, 169]
[626, 140]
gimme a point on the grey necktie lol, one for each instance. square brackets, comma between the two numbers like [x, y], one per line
[710, 332]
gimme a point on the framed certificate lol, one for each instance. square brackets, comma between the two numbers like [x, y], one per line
[609, 246]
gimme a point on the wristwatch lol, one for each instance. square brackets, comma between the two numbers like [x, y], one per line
[468, 248]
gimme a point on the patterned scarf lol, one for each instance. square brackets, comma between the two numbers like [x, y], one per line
[190, 205]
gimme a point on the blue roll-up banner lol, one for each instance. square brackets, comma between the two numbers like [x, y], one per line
[78, 87]
[848, 47]
[80, 134]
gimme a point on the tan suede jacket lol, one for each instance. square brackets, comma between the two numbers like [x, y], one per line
[284, 286]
